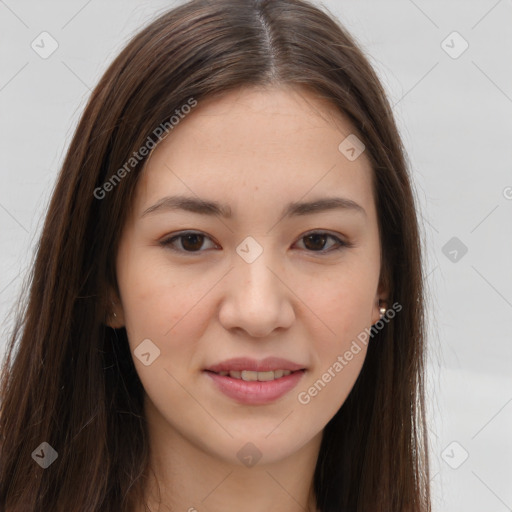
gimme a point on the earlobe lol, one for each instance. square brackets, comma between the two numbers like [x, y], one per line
[380, 311]
[381, 301]
[115, 317]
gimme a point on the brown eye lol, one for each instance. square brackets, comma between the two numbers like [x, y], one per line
[190, 242]
[315, 242]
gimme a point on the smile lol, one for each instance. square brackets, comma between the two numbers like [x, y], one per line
[251, 376]
[255, 388]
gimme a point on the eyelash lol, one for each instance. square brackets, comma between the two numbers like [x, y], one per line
[167, 243]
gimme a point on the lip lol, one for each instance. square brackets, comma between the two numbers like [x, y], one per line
[245, 363]
[255, 392]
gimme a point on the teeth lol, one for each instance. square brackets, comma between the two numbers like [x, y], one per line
[251, 376]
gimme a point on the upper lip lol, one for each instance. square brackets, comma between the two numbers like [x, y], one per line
[245, 363]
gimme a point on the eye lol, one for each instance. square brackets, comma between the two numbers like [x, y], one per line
[317, 239]
[193, 241]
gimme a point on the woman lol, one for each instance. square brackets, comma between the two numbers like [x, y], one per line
[226, 307]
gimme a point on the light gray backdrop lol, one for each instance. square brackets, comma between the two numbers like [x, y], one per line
[447, 66]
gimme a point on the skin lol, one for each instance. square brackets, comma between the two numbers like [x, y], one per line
[256, 149]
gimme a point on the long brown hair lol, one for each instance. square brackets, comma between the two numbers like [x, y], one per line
[69, 380]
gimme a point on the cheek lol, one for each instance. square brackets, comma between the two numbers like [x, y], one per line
[344, 306]
[327, 390]
[339, 353]
[158, 303]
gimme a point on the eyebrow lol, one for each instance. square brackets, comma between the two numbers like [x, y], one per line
[214, 208]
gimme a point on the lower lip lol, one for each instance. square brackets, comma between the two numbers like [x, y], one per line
[256, 392]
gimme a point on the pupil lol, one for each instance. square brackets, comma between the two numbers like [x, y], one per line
[193, 237]
[316, 236]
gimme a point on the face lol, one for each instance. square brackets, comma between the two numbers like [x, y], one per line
[198, 288]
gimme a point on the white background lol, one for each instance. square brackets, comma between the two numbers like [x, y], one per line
[455, 116]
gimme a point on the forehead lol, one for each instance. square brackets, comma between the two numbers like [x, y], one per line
[274, 144]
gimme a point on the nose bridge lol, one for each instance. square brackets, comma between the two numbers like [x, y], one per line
[256, 298]
[253, 270]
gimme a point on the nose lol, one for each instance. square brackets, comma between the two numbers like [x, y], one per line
[257, 298]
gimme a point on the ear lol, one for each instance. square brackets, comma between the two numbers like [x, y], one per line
[114, 314]
[381, 300]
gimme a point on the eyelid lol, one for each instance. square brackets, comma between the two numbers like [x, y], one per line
[340, 242]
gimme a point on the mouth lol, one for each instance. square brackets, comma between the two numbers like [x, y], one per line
[255, 382]
[267, 368]
[253, 388]
[253, 376]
